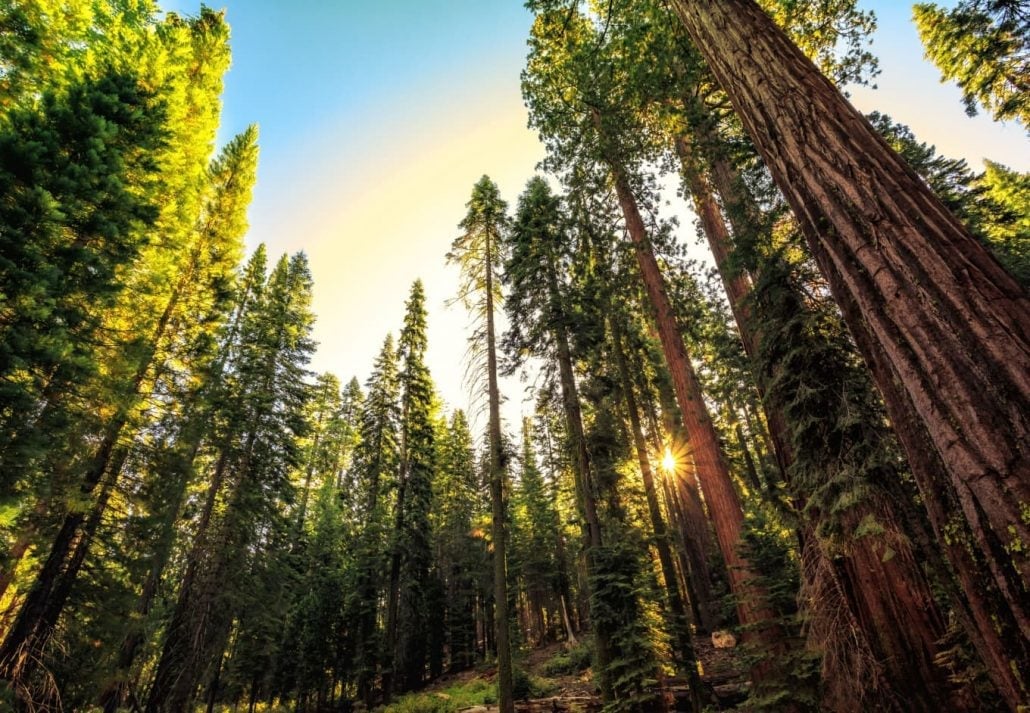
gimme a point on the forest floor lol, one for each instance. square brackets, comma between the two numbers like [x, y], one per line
[558, 679]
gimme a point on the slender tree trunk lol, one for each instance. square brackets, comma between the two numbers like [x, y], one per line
[506, 701]
[679, 625]
[582, 472]
[944, 328]
[32, 627]
[570, 635]
[24, 642]
[720, 494]
[695, 540]
[895, 613]
[736, 283]
[702, 619]
[115, 692]
[175, 654]
[212, 691]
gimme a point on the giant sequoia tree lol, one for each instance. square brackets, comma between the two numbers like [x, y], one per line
[564, 66]
[943, 327]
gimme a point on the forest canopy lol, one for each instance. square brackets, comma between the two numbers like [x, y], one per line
[793, 478]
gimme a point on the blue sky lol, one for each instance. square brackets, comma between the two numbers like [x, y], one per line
[377, 117]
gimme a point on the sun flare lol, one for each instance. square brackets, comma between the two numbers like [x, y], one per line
[668, 461]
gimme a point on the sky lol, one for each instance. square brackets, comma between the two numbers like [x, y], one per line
[376, 118]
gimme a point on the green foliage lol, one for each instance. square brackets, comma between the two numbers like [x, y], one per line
[372, 475]
[533, 560]
[1007, 212]
[569, 661]
[526, 686]
[247, 531]
[458, 502]
[538, 251]
[791, 678]
[835, 34]
[77, 176]
[616, 591]
[258, 444]
[412, 553]
[994, 205]
[983, 46]
[474, 692]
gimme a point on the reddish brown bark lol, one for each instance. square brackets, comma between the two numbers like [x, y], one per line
[736, 283]
[677, 611]
[878, 577]
[687, 512]
[945, 329]
[720, 495]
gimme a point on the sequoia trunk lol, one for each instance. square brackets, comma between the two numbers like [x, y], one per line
[944, 328]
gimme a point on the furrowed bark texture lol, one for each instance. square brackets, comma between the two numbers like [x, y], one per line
[944, 328]
[889, 600]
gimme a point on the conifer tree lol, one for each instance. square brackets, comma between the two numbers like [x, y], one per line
[541, 318]
[67, 228]
[460, 554]
[982, 46]
[232, 177]
[406, 617]
[374, 474]
[478, 254]
[536, 522]
[563, 64]
[305, 658]
[257, 453]
[146, 336]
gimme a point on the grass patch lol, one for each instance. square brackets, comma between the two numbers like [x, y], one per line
[568, 662]
[474, 692]
[525, 685]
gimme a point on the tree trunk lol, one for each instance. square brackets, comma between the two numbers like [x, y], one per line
[506, 701]
[944, 328]
[582, 472]
[686, 510]
[895, 612]
[735, 282]
[702, 619]
[175, 652]
[23, 645]
[723, 503]
[115, 692]
[679, 625]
